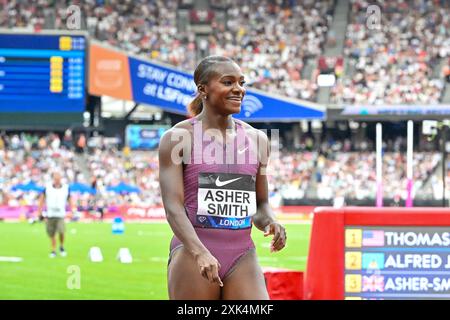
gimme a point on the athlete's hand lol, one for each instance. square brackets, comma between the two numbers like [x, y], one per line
[209, 267]
[279, 236]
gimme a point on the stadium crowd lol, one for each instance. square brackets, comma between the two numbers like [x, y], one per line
[394, 61]
[28, 158]
[353, 174]
[394, 56]
[110, 167]
[270, 40]
[28, 15]
[299, 175]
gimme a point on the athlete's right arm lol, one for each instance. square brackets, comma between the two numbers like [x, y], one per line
[172, 192]
[41, 205]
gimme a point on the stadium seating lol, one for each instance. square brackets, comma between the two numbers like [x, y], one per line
[299, 175]
[393, 61]
[272, 42]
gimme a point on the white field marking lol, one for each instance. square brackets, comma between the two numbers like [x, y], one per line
[159, 259]
[11, 259]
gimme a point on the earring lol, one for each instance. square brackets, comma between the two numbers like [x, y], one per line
[205, 97]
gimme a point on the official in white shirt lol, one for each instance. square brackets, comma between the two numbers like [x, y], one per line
[55, 198]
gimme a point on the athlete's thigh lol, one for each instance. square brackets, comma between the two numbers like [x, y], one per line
[246, 281]
[185, 281]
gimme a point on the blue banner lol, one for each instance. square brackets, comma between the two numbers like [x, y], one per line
[160, 86]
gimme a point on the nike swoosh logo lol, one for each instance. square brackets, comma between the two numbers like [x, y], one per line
[224, 183]
[242, 151]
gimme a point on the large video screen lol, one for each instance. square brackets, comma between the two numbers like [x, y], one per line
[42, 73]
[144, 137]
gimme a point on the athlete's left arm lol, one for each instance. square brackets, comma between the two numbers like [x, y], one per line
[264, 219]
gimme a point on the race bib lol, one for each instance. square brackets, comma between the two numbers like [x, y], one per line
[226, 200]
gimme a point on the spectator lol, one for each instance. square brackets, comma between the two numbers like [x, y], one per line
[81, 143]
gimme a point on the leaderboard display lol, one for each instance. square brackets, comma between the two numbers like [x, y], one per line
[370, 253]
[42, 73]
[397, 263]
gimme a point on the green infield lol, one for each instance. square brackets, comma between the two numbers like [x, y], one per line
[37, 276]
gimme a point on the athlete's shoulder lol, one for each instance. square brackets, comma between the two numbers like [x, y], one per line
[246, 126]
[179, 135]
[182, 127]
[185, 124]
[250, 129]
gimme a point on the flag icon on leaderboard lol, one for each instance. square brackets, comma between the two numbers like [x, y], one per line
[373, 238]
[373, 261]
[373, 284]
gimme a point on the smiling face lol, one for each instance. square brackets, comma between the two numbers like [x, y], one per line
[225, 90]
